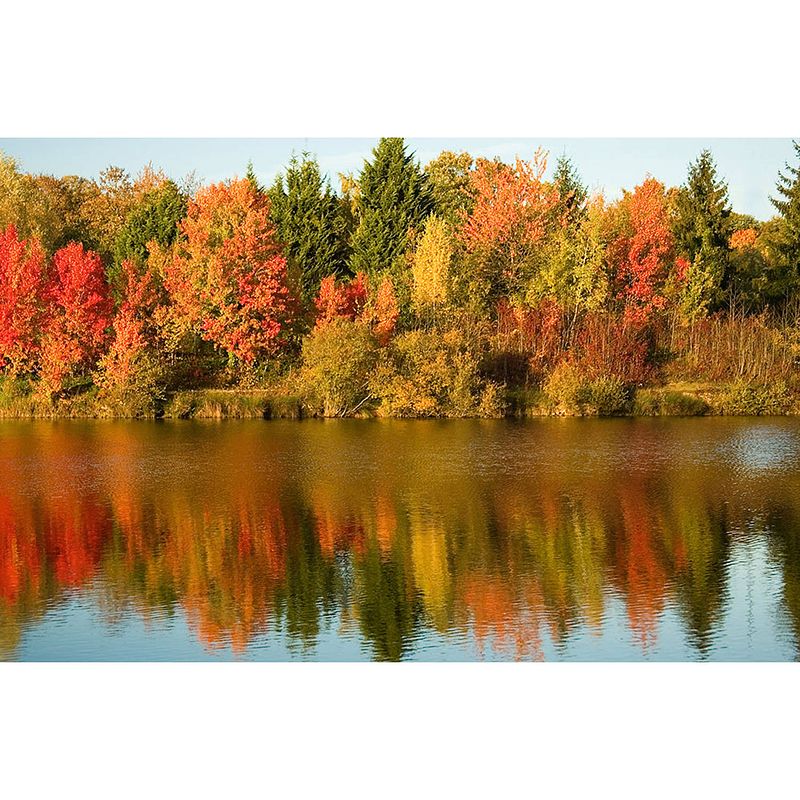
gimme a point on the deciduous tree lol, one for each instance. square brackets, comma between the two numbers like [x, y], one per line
[22, 284]
[227, 280]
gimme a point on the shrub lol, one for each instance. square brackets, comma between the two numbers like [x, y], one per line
[668, 403]
[427, 374]
[744, 398]
[564, 388]
[605, 396]
[337, 362]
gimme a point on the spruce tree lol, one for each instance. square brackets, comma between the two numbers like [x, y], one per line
[787, 239]
[395, 196]
[311, 223]
[702, 227]
[571, 191]
[250, 175]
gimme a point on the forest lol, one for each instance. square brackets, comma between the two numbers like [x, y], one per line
[466, 287]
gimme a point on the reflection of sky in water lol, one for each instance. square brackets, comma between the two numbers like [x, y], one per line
[765, 447]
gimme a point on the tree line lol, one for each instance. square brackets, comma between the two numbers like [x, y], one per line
[446, 289]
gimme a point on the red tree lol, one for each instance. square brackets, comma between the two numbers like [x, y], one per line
[336, 299]
[227, 281]
[78, 314]
[643, 252]
[132, 325]
[513, 206]
[22, 283]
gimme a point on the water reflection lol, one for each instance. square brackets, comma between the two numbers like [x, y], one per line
[601, 539]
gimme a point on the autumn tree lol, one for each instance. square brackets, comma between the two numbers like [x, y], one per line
[513, 211]
[78, 315]
[130, 370]
[431, 267]
[227, 280]
[641, 254]
[22, 283]
[451, 186]
[311, 222]
[338, 298]
[702, 229]
[43, 207]
[394, 197]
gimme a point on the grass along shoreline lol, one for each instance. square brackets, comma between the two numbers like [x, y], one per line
[672, 400]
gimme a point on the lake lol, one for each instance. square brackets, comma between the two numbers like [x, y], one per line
[552, 539]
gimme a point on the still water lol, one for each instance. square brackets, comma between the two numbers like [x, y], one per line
[646, 539]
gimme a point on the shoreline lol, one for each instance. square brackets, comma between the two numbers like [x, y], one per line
[671, 400]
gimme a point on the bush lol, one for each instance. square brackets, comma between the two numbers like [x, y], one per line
[428, 374]
[338, 359]
[605, 397]
[138, 392]
[744, 398]
[668, 403]
[564, 388]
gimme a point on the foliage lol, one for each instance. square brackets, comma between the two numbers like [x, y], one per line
[340, 299]
[746, 398]
[22, 285]
[641, 250]
[311, 222]
[787, 238]
[394, 199]
[431, 268]
[338, 359]
[79, 314]
[513, 211]
[430, 375]
[131, 373]
[154, 218]
[451, 186]
[702, 229]
[227, 280]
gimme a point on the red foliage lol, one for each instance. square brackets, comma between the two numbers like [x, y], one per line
[228, 280]
[611, 346]
[512, 205]
[22, 283]
[385, 313]
[642, 255]
[340, 299]
[79, 314]
[132, 324]
[534, 334]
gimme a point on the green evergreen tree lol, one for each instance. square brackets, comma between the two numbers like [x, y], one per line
[250, 175]
[702, 227]
[571, 191]
[155, 219]
[311, 223]
[787, 239]
[395, 196]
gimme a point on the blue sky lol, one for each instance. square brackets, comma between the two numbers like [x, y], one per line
[749, 165]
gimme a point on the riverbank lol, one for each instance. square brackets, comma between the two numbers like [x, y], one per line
[672, 400]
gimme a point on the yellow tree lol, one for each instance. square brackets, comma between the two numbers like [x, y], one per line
[431, 267]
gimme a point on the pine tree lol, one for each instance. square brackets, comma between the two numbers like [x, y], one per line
[311, 222]
[702, 228]
[571, 191]
[250, 174]
[154, 219]
[788, 206]
[395, 196]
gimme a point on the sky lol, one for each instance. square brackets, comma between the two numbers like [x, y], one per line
[750, 166]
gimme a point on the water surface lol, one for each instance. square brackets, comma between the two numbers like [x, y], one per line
[628, 539]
